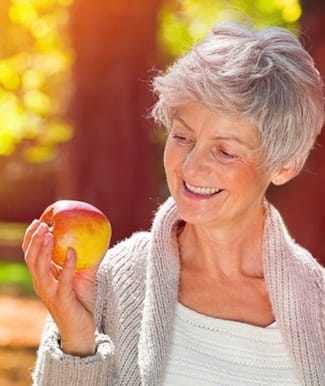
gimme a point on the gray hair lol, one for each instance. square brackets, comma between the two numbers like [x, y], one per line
[263, 75]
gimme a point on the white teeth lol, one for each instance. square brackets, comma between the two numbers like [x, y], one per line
[200, 190]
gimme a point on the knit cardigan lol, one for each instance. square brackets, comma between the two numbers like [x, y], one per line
[137, 287]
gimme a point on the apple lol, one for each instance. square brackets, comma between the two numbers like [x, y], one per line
[77, 225]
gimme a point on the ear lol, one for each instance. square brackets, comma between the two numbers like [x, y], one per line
[286, 173]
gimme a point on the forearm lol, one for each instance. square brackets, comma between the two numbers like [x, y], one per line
[54, 366]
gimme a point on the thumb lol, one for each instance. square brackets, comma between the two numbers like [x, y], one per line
[68, 270]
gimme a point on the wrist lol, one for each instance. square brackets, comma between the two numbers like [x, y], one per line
[81, 346]
[78, 342]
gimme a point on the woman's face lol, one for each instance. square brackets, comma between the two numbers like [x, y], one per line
[211, 165]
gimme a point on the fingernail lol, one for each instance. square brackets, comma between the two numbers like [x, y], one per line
[43, 227]
[47, 238]
[70, 253]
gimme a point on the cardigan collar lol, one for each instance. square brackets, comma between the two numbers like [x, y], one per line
[296, 286]
[161, 295]
[285, 275]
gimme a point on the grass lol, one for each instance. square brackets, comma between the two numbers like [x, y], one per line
[15, 279]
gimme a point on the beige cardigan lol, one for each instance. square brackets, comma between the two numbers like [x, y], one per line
[136, 297]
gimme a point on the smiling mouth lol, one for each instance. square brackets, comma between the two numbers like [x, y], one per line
[202, 191]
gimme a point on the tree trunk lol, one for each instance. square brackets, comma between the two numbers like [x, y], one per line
[112, 161]
[302, 201]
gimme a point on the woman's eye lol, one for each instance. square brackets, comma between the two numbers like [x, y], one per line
[180, 138]
[226, 154]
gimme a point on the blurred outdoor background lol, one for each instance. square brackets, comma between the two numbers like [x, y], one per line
[74, 102]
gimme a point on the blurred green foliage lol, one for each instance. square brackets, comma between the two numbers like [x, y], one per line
[15, 279]
[34, 67]
[14, 275]
[185, 21]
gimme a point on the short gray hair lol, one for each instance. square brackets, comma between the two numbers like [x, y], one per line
[264, 75]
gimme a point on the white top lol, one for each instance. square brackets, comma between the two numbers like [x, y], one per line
[211, 351]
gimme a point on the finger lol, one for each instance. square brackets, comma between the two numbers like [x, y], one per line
[39, 267]
[66, 277]
[35, 245]
[28, 234]
[43, 263]
[55, 269]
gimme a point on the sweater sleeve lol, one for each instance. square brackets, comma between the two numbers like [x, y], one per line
[54, 367]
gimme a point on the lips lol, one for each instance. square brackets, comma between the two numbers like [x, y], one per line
[202, 190]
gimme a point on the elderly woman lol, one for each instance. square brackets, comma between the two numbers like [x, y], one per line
[217, 293]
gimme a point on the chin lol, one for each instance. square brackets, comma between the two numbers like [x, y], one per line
[195, 216]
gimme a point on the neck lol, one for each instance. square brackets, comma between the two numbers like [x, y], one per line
[232, 249]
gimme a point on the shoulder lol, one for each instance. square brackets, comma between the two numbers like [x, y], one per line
[121, 276]
[128, 255]
[287, 264]
[307, 266]
[131, 254]
[282, 250]
[304, 277]
[304, 267]
[305, 258]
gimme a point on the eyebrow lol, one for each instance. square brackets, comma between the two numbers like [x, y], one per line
[228, 138]
[178, 118]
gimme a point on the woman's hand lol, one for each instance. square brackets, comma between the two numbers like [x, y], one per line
[69, 295]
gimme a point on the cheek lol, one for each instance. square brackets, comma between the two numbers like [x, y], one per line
[169, 169]
[245, 175]
[168, 163]
[166, 158]
[171, 157]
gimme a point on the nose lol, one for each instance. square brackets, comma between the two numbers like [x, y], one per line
[196, 163]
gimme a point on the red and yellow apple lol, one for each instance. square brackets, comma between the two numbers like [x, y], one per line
[80, 226]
